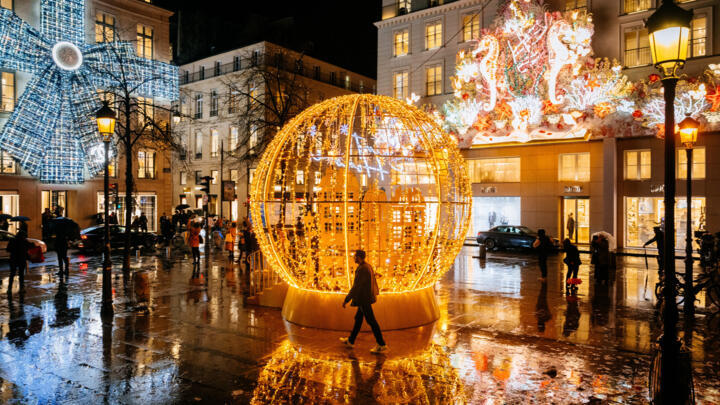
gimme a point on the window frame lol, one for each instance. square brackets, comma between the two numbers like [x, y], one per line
[437, 84]
[6, 156]
[585, 7]
[438, 43]
[576, 154]
[406, 84]
[214, 103]
[199, 105]
[639, 165]
[199, 145]
[624, 7]
[472, 15]
[105, 26]
[2, 91]
[472, 163]
[638, 28]
[681, 154]
[404, 43]
[214, 143]
[707, 13]
[145, 170]
[143, 38]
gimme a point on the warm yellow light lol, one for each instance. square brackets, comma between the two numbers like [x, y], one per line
[669, 48]
[688, 130]
[387, 180]
[105, 118]
[106, 125]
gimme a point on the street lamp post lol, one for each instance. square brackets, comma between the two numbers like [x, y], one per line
[105, 118]
[668, 32]
[688, 129]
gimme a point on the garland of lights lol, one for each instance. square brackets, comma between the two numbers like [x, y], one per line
[52, 131]
[361, 172]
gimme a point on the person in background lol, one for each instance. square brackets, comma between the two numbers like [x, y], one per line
[18, 249]
[47, 216]
[194, 240]
[4, 224]
[603, 260]
[63, 234]
[230, 241]
[362, 295]
[572, 260]
[570, 226]
[659, 241]
[143, 223]
[23, 226]
[543, 246]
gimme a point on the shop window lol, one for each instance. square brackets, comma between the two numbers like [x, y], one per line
[488, 212]
[634, 6]
[433, 35]
[104, 27]
[574, 167]
[471, 26]
[7, 164]
[495, 170]
[637, 47]
[54, 199]
[402, 43]
[637, 164]
[7, 92]
[698, 164]
[433, 80]
[642, 214]
[143, 204]
[400, 85]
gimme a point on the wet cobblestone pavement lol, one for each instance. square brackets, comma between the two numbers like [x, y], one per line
[503, 337]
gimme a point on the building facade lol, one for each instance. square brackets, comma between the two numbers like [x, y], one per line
[608, 183]
[137, 21]
[214, 126]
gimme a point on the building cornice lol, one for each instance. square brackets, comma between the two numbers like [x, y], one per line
[426, 13]
[137, 8]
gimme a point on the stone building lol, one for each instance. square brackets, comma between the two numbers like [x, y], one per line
[212, 125]
[608, 183]
[20, 194]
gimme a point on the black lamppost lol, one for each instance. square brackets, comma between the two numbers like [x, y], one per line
[669, 31]
[688, 129]
[105, 117]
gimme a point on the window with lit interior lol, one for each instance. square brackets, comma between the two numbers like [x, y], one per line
[471, 26]
[698, 163]
[402, 43]
[146, 164]
[637, 47]
[494, 170]
[104, 27]
[574, 167]
[433, 35]
[433, 80]
[637, 164]
[400, 85]
[144, 41]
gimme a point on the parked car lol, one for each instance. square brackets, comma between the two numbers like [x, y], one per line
[510, 236]
[5, 237]
[92, 239]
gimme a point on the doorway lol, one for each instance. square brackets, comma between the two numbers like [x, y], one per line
[576, 219]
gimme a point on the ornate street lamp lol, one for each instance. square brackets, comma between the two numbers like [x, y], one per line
[105, 117]
[688, 129]
[669, 31]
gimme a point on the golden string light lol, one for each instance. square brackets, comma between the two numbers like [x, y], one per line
[361, 172]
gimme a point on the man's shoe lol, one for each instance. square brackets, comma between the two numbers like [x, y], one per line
[379, 349]
[346, 342]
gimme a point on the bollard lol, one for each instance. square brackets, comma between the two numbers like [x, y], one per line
[482, 252]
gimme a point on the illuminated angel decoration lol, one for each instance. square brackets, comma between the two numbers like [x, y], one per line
[488, 67]
[52, 132]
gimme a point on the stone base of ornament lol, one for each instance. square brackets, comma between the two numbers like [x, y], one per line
[392, 311]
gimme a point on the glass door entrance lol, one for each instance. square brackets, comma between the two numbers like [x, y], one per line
[576, 219]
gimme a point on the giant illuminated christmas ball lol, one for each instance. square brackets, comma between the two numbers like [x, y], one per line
[361, 172]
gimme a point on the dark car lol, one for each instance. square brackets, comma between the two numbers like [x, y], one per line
[92, 239]
[510, 236]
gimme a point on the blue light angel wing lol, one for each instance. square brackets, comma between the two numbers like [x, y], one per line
[115, 64]
[22, 47]
[84, 103]
[64, 160]
[63, 20]
[31, 126]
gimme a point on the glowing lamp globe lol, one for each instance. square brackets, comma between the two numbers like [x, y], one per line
[360, 172]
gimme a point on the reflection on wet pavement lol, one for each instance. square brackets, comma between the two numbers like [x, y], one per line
[183, 334]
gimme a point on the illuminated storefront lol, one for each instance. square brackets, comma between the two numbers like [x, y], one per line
[645, 213]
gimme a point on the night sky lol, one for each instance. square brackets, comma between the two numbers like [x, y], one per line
[341, 33]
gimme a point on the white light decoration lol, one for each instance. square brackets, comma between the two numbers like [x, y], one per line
[488, 67]
[52, 132]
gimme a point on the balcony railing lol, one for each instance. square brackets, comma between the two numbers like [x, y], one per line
[405, 7]
[285, 63]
